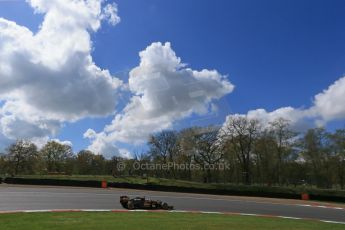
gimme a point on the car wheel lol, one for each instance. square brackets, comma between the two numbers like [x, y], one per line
[130, 205]
[165, 206]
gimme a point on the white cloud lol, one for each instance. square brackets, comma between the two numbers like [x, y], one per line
[49, 77]
[164, 91]
[110, 13]
[40, 142]
[330, 104]
[298, 119]
[69, 143]
[4, 143]
[103, 144]
[327, 106]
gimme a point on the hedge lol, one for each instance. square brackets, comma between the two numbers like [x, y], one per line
[240, 190]
[57, 182]
[326, 195]
[255, 191]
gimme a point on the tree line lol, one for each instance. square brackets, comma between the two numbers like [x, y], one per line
[271, 154]
[24, 158]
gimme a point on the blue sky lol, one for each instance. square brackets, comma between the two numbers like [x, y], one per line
[276, 53]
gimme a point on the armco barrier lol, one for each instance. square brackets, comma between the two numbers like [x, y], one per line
[57, 182]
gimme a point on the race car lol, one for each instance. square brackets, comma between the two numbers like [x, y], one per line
[143, 203]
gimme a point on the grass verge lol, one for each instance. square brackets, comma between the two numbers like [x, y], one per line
[141, 220]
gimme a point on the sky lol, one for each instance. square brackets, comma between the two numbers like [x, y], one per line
[104, 75]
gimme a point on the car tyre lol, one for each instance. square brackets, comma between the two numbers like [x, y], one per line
[165, 206]
[130, 205]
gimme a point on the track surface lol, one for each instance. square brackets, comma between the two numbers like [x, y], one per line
[42, 198]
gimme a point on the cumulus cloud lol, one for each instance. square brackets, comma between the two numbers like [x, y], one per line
[299, 119]
[330, 104]
[4, 143]
[69, 143]
[49, 77]
[42, 141]
[164, 91]
[327, 106]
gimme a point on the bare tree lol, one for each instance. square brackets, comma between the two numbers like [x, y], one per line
[208, 150]
[283, 137]
[266, 160]
[186, 142]
[164, 147]
[241, 133]
[338, 148]
[315, 145]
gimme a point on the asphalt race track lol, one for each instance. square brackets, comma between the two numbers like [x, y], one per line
[43, 198]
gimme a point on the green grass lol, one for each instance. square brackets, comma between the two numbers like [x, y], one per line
[140, 220]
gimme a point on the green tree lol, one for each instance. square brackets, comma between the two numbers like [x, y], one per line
[22, 157]
[90, 164]
[56, 156]
[98, 165]
[338, 148]
[84, 162]
[3, 164]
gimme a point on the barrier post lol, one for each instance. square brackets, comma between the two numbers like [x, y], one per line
[305, 196]
[104, 184]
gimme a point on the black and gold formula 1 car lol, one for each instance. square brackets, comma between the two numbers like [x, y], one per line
[143, 203]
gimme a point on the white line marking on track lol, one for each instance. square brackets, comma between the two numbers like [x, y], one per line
[96, 210]
[181, 211]
[304, 205]
[34, 211]
[211, 212]
[289, 217]
[332, 222]
[248, 214]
